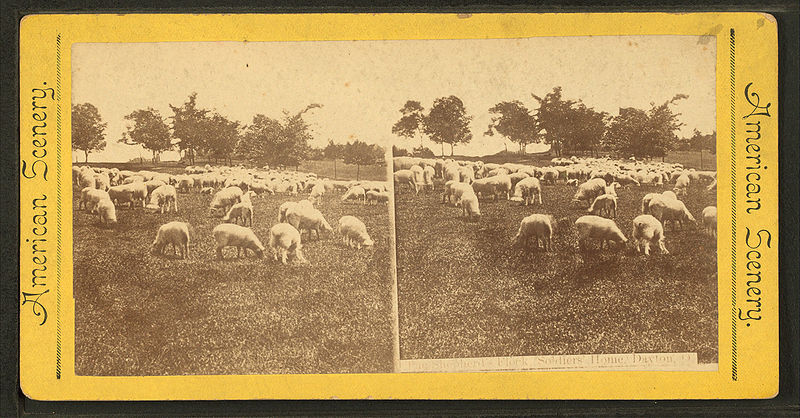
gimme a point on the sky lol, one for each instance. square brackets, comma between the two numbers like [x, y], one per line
[362, 85]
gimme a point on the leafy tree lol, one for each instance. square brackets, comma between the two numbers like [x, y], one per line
[399, 152]
[88, 129]
[188, 126]
[277, 142]
[411, 124]
[515, 122]
[448, 122]
[149, 130]
[221, 137]
[554, 117]
[360, 153]
[700, 142]
[333, 152]
[587, 129]
[640, 133]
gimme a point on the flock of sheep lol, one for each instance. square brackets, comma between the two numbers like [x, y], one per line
[103, 190]
[596, 181]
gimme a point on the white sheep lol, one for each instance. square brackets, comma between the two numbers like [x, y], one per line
[307, 219]
[408, 177]
[355, 193]
[174, 233]
[427, 176]
[354, 232]
[648, 230]
[494, 186]
[107, 212]
[535, 227]
[284, 239]
[646, 201]
[598, 228]
[604, 205]
[710, 220]
[589, 190]
[161, 198]
[377, 197]
[153, 184]
[528, 190]
[224, 199]
[130, 193]
[232, 235]
[469, 206]
[317, 191]
[90, 197]
[241, 211]
[665, 209]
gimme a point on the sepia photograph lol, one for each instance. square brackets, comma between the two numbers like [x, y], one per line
[231, 211]
[555, 204]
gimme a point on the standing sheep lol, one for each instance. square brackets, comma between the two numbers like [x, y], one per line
[175, 233]
[224, 199]
[161, 198]
[107, 212]
[469, 206]
[710, 220]
[241, 211]
[601, 229]
[355, 193]
[604, 205]
[648, 230]
[232, 235]
[666, 209]
[528, 190]
[408, 177]
[535, 227]
[354, 232]
[284, 239]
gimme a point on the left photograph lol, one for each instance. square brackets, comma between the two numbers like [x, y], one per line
[229, 215]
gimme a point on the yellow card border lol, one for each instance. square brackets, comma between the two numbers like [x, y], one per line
[747, 101]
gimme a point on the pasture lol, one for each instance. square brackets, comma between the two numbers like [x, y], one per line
[465, 292]
[141, 314]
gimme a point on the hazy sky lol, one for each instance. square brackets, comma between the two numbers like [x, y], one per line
[363, 84]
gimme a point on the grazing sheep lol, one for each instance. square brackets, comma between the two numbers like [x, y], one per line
[665, 209]
[405, 177]
[419, 174]
[107, 212]
[284, 239]
[494, 186]
[307, 219]
[549, 174]
[457, 190]
[130, 193]
[224, 199]
[604, 205]
[86, 178]
[153, 184]
[535, 227]
[354, 232]
[598, 228]
[646, 201]
[452, 173]
[102, 181]
[90, 197]
[710, 220]
[377, 197]
[355, 193]
[528, 190]
[207, 190]
[175, 233]
[469, 206]
[161, 198]
[589, 190]
[133, 179]
[648, 230]
[466, 175]
[669, 194]
[317, 191]
[232, 235]
[241, 211]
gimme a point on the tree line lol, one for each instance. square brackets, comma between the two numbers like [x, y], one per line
[568, 126]
[198, 132]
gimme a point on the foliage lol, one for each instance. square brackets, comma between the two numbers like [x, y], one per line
[411, 124]
[188, 127]
[88, 129]
[334, 151]
[149, 130]
[399, 152]
[515, 122]
[276, 142]
[448, 122]
[423, 152]
[642, 134]
[221, 136]
[554, 118]
[360, 153]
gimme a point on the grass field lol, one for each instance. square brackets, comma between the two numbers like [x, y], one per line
[465, 292]
[139, 314]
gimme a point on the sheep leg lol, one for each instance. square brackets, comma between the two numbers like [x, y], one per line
[219, 252]
[283, 255]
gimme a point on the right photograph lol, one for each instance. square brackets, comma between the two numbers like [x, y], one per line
[555, 206]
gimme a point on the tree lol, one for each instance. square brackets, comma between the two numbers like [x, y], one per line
[221, 137]
[276, 142]
[554, 116]
[333, 152]
[411, 124]
[448, 122]
[360, 153]
[700, 142]
[188, 126]
[148, 130]
[88, 129]
[587, 129]
[515, 122]
[643, 134]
